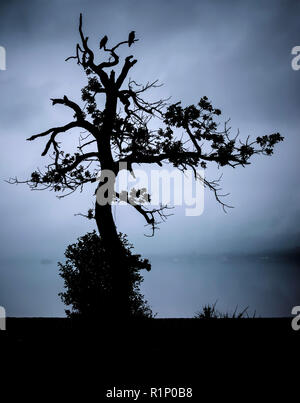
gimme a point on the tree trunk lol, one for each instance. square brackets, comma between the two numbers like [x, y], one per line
[119, 308]
[119, 304]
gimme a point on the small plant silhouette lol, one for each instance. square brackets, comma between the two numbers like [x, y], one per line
[210, 312]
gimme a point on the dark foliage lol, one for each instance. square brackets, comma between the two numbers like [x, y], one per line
[88, 279]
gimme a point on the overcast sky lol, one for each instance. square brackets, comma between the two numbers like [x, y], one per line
[236, 53]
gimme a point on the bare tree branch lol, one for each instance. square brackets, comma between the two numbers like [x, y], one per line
[148, 214]
[126, 67]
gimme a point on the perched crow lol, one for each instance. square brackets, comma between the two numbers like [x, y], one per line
[131, 38]
[103, 42]
[138, 193]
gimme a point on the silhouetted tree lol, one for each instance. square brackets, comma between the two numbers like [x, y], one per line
[87, 278]
[120, 133]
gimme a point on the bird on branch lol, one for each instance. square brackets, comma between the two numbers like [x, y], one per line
[103, 42]
[131, 38]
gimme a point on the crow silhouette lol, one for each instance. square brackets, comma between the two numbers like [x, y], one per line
[131, 38]
[103, 42]
[138, 193]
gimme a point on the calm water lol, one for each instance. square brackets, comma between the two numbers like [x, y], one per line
[175, 287]
[180, 287]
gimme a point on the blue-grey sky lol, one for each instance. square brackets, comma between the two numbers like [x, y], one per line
[236, 53]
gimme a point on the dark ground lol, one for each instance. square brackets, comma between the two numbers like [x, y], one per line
[216, 356]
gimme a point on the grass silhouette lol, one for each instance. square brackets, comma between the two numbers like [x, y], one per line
[209, 311]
